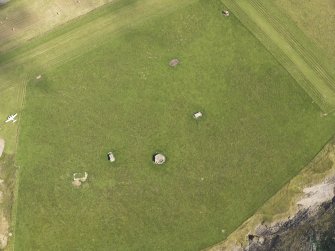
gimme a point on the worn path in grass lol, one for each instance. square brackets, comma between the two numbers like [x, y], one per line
[312, 77]
[317, 177]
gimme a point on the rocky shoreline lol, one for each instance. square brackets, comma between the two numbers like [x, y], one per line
[309, 230]
[306, 222]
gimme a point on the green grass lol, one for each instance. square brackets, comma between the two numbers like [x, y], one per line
[314, 48]
[259, 129]
[86, 32]
[10, 102]
[315, 18]
[61, 45]
[31, 19]
[309, 72]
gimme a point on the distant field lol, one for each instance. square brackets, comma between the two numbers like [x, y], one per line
[21, 20]
[259, 129]
[302, 59]
[316, 18]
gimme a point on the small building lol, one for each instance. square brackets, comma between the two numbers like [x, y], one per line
[197, 115]
[159, 159]
[111, 157]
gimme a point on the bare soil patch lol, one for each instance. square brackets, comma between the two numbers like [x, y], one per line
[316, 195]
[4, 226]
[2, 146]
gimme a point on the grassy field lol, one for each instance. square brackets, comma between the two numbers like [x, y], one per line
[317, 46]
[121, 95]
[22, 20]
[316, 18]
[29, 20]
[61, 45]
[290, 49]
[284, 203]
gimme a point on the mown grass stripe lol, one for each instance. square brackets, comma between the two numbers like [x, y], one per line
[307, 55]
[281, 57]
[307, 76]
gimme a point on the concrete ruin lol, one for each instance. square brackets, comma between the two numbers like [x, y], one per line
[79, 178]
[197, 115]
[159, 159]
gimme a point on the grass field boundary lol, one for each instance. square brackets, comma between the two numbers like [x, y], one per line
[61, 44]
[303, 51]
[296, 59]
[109, 20]
[284, 202]
[84, 94]
[35, 19]
[21, 98]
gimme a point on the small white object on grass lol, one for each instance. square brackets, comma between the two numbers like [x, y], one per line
[225, 13]
[80, 177]
[197, 115]
[39, 77]
[111, 157]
